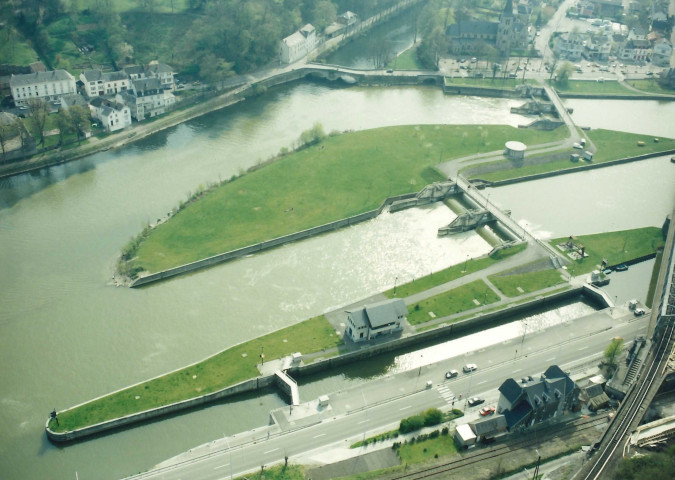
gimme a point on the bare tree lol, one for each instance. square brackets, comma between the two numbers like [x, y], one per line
[39, 111]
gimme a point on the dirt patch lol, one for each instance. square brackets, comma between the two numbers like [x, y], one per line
[539, 265]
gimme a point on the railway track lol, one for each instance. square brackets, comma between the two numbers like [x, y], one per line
[630, 408]
[453, 466]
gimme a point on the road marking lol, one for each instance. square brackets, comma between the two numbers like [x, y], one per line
[273, 450]
[519, 370]
[550, 359]
[320, 435]
[221, 466]
[362, 421]
[484, 381]
[406, 408]
[582, 348]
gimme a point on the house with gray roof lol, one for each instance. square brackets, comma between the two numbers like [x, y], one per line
[533, 401]
[112, 115]
[97, 83]
[48, 86]
[376, 319]
[487, 428]
[298, 45]
[146, 98]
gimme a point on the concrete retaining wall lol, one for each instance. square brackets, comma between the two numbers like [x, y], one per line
[484, 320]
[453, 330]
[246, 386]
[258, 247]
[589, 166]
[480, 91]
[616, 97]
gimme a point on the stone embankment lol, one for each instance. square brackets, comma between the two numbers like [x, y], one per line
[453, 330]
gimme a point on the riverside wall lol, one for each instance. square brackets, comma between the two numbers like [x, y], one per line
[258, 247]
[590, 166]
[72, 435]
[482, 320]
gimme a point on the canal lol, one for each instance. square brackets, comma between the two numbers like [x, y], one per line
[66, 336]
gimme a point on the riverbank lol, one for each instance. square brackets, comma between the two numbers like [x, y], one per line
[521, 284]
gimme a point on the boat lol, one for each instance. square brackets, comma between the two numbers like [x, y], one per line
[622, 267]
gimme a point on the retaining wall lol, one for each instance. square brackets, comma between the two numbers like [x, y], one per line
[616, 97]
[245, 386]
[258, 247]
[590, 166]
[319, 366]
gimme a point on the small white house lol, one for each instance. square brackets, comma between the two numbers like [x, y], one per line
[113, 116]
[298, 45]
[376, 319]
[662, 52]
[97, 83]
[146, 98]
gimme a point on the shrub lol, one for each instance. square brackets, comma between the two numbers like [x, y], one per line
[411, 424]
[432, 416]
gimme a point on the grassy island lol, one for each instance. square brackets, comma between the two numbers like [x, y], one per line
[344, 175]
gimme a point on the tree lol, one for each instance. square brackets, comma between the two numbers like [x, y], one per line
[39, 111]
[7, 131]
[64, 123]
[313, 135]
[563, 73]
[323, 14]
[214, 69]
[79, 121]
[613, 350]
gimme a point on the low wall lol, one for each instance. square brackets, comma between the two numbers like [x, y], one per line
[245, 386]
[319, 366]
[258, 247]
[483, 320]
[480, 91]
[592, 96]
[589, 166]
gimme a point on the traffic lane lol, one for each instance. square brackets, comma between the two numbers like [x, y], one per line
[247, 458]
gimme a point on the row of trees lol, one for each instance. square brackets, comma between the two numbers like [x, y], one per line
[69, 121]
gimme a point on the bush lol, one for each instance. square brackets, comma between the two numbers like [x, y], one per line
[432, 416]
[411, 424]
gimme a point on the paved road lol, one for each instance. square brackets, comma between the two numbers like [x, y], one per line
[379, 405]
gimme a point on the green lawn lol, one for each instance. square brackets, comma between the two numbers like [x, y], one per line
[14, 49]
[650, 86]
[453, 301]
[160, 6]
[593, 87]
[506, 83]
[345, 175]
[453, 272]
[529, 282]
[616, 247]
[222, 370]
[441, 446]
[277, 472]
[406, 60]
[611, 145]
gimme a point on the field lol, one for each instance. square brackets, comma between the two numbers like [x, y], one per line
[343, 176]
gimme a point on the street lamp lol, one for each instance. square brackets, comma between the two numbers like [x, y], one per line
[229, 451]
[465, 263]
[395, 280]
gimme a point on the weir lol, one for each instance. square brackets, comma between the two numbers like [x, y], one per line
[467, 221]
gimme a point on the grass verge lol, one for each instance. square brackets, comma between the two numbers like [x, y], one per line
[425, 450]
[453, 301]
[406, 60]
[594, 87]
[277, 472]
[345, 175]
[513, 285]
[452, 273]
[650, 86]
[226, 368]
[611, 145]
[615, 247]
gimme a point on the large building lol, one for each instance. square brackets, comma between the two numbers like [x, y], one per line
[48, 86]
[510, 33]
[146, 98]
[528, 402]
[298, 45]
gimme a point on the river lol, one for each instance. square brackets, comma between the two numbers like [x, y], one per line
[66, 336]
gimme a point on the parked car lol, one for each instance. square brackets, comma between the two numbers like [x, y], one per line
[577, 145]
[470, 367]
[451, 374]
[485, 411]
[621, 267]
[638, 312]
[473, 401]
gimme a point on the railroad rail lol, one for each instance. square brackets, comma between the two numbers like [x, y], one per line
[632, 405]
[445, 469]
